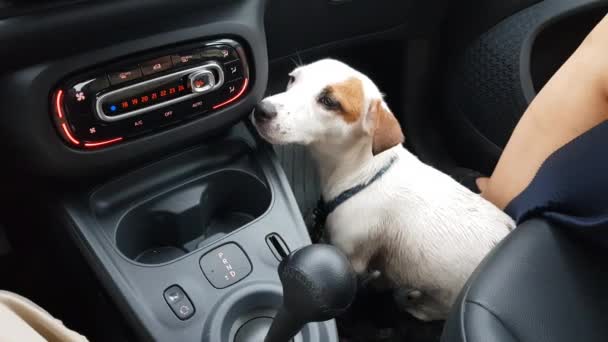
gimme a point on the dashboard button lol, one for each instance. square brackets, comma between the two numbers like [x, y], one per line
[185, 58]
[165, 116]
[126, 75]
[193, 107]
[156, 65]
[179, 302]
[229, 90]
[222, 53]
[201, 81]
[233, 71]
[93, 85]
[78, 99]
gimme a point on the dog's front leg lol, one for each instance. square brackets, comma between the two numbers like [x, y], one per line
[359, 264]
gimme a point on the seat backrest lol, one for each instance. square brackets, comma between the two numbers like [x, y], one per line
[540, 284]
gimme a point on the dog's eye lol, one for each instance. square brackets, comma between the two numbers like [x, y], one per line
[291, 80]
[329, 103]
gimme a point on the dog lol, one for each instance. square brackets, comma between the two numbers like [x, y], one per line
[389, 211]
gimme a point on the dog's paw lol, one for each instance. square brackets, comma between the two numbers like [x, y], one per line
[364, 279]
[407, 297]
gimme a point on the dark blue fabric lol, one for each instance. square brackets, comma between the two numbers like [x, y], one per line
[571, 187]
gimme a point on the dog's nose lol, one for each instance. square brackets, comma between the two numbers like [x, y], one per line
[265, 111]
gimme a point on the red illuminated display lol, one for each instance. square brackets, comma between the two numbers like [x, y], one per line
[148, 98]
[68, 133]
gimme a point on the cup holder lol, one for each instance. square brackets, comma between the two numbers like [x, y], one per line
[182, 220]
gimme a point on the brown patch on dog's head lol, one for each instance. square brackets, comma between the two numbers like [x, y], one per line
[349, 96]
[386, 131]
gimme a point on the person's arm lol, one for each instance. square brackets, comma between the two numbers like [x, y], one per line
[573, 101]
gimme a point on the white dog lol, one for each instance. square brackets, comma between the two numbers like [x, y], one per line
[387, 210]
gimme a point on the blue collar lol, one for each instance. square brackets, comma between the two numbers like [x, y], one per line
[324, 209]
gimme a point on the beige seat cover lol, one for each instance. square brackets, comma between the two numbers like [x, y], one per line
[23, 321]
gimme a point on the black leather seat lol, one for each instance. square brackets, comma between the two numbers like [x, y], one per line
[540, 284]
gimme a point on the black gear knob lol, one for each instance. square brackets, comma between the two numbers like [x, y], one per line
[319, 283]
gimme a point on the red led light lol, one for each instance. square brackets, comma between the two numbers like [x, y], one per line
[171, 90]
[102, 143]
[59, 103]
[134, 101]
[236, 97]
[124, 104]
[163, 93]
[69, 135]
[144, 99]
[181, 88]
[66, 130]
[154, 96]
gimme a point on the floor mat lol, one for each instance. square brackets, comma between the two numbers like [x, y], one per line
[374, 317]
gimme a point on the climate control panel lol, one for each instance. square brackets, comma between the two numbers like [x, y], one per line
[146, 94]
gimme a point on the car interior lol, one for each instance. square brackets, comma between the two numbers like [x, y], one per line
[140, 204]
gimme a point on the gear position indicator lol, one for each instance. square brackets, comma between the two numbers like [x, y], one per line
[225, 265]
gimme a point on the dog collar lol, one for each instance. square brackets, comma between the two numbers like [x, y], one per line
[324, 209]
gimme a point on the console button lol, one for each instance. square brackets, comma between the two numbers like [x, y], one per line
[124, 75]
[228, 93]
[140, 124]
[225, 265]
[192, 107]
[93, 85]
[233, 71]
[87, 129]
[156, 65]
[79, 98]
[223, 53]
[185, 58]
[164, 116]
[201, 81]
[179, 302]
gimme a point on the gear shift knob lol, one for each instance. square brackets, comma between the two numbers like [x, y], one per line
[319, 283]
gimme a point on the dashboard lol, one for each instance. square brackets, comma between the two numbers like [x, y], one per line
[91, 89]
[149, 94]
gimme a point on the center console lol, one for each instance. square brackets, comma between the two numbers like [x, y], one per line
[189, 246]
[186, 237]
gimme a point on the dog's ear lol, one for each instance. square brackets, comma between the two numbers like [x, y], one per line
[383, 126]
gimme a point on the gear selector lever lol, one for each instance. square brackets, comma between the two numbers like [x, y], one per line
[319, 283]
